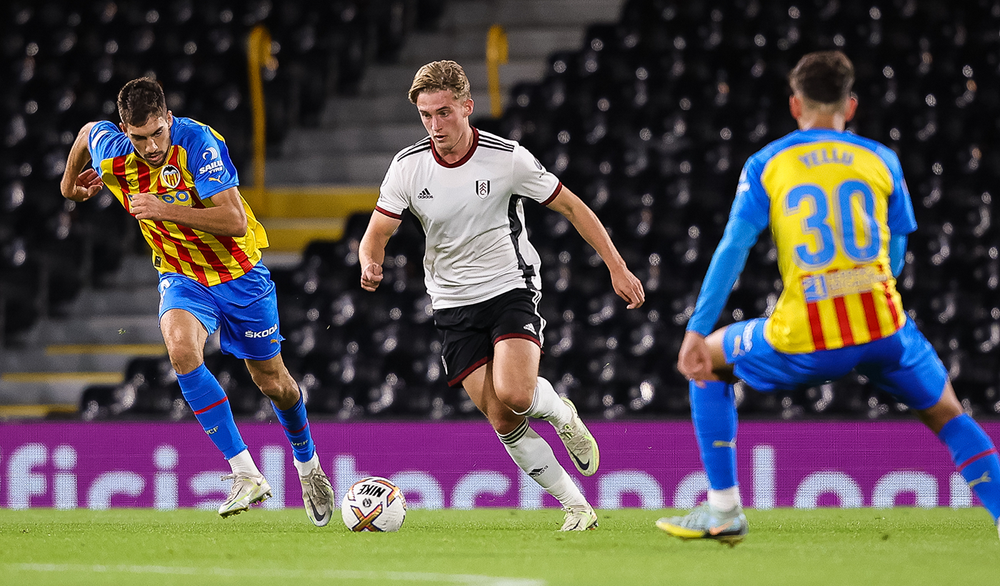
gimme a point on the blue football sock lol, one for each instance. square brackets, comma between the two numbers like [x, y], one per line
[211, 408]
[713, 412]
[976, 458]
[296, 426]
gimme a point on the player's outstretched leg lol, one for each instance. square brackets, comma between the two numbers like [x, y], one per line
[562, 414]
[317, 494]
[534, 455]
[713, 412]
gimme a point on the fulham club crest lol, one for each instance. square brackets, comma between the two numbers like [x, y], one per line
[170, 176]
[482, 189]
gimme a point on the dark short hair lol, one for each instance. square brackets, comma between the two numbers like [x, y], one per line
[140, 99]
[825, 77]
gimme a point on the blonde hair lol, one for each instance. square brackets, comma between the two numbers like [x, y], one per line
[441, 75]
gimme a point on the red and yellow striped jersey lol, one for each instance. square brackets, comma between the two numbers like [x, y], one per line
[832, 200]
[197, 167]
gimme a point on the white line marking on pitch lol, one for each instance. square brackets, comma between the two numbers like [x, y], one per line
[469, 579]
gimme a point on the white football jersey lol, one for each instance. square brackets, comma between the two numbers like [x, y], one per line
[472, 214]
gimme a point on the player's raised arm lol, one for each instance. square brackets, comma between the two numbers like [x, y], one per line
[626, 285]
[78, 183]
[371, 251]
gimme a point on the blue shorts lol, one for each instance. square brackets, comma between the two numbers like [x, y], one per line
[246, 308]
[905, 364]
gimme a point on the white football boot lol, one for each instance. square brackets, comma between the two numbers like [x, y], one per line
[579, 518]
[247, 490]
[317, 496]
[580, 444]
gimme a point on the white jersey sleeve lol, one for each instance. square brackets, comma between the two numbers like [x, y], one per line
[393, 197]
[531, 180]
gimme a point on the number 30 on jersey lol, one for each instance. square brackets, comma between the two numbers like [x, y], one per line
[853, 211]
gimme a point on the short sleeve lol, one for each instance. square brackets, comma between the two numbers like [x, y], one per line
[752, 203]
[392, 198]
[106, 141]
[902, 219]
[209, 162]
[530, 179]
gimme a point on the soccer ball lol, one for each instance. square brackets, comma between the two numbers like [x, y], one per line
[373, 504]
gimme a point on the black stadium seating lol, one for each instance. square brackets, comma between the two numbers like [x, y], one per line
[649, 121]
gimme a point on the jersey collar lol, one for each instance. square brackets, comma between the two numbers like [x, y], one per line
[464, 159]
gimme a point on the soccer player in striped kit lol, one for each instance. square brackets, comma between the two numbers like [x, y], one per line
[175, 176]
[467, 187]
[839, 212]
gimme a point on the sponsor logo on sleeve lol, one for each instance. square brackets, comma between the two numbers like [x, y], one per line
[211, 162]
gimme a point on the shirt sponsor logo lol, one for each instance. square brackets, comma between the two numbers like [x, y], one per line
[482, 189]
[425, 194]
[213, 167]
[170, 176]
[210, 155]
[840, 283]
[264, 334]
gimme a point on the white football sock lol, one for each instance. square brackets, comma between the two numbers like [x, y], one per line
[726, 499]
[242, 463]
[547, 405]
[307, 467]
[534, 455]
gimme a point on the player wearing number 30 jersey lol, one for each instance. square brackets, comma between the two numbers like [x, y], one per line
[833, 201]
[839, 212]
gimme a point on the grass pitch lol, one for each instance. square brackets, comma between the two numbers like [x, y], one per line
[495, 547]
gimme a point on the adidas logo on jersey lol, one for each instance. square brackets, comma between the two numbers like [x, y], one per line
[425, 194]
[530, 328]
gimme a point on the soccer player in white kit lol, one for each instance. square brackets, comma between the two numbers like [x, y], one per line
[467, 187]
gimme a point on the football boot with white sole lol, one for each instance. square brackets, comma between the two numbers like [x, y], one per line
[706, 522]
[246, 490]
[317, 496]
[579, 518]
[580, 444]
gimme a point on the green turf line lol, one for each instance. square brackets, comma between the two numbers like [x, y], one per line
[497, 547]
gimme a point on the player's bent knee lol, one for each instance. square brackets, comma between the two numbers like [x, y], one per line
[947, 408]
[184, 360]
[517, 398]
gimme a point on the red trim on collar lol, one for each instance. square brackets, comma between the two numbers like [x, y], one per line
[464, 159]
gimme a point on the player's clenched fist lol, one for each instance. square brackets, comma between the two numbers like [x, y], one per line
[371, 277]
[146, 206]
[87, 185]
